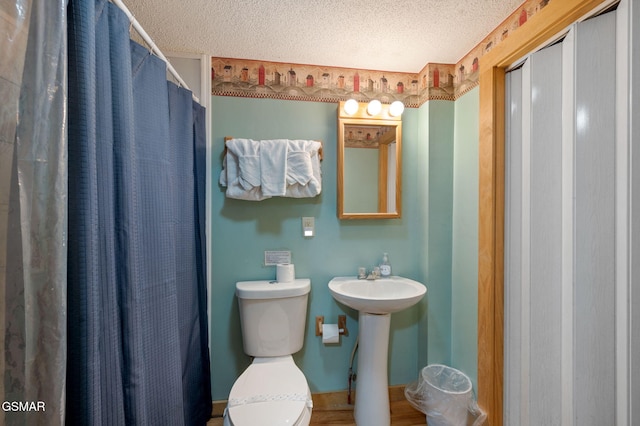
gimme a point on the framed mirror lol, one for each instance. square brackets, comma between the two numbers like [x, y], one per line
[369, 163]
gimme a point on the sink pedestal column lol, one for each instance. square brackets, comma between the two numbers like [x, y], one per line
[372, 385]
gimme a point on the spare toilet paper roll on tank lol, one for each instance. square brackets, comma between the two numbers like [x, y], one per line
[285, 273]
[330, 333]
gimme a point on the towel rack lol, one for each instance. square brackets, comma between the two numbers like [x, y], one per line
[228, 138]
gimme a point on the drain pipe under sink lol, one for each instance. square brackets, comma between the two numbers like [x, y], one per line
[352, 375]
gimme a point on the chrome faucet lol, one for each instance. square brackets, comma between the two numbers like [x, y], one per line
[374, 274]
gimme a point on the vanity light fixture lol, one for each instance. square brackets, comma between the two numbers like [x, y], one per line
[374, 107]
[351, 107]
[396, 109]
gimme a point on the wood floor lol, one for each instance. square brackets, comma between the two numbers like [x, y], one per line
[332, 409]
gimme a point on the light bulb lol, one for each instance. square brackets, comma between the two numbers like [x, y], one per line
[374, 107]
[396, 109]
[351, 106]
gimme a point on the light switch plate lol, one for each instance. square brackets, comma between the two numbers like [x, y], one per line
[308, 226]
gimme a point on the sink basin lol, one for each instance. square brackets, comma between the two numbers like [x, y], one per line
[381, 296]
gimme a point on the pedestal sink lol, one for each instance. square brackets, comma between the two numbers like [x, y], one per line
[375, 301]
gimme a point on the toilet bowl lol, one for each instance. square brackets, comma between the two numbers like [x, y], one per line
[271, 391]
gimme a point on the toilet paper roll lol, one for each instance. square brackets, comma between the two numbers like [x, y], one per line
[285, 273]
[330, 333]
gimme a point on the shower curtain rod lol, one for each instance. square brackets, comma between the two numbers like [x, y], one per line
[153, 46]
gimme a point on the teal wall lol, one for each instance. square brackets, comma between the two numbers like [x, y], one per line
[464, 307]
[436, 134]
[419, 244]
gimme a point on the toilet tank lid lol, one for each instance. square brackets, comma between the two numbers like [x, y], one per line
[272, 289]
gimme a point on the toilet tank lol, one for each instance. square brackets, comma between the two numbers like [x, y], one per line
[273, 316]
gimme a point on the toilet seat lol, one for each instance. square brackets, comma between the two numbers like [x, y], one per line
[271, 391]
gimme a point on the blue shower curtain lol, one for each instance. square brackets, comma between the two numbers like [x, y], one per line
[137, 323]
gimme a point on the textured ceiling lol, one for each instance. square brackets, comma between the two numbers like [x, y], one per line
[392, 35]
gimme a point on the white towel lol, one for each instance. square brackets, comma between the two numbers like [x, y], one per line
[249, 175]
[312, 179]
[224, 172]
[299, 166]
[247, 152]
[242, 169]
[273, 167]
[242, 184]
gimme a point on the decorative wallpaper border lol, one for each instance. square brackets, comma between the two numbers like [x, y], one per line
[241, 77]
[278, 80]
[467, 68]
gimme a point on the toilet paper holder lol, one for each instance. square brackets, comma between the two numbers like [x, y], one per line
[342, 325]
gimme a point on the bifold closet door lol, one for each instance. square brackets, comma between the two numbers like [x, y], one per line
[560, 235]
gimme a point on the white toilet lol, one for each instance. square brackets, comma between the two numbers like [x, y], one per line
[272, 390]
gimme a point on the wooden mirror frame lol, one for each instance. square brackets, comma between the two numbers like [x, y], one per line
[361, 117]
[552, 20]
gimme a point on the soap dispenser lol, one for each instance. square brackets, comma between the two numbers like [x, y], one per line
[385, 266]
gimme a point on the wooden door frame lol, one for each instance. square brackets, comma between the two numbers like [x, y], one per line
[552, 20]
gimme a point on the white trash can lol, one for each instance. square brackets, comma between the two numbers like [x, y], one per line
[445, 395]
